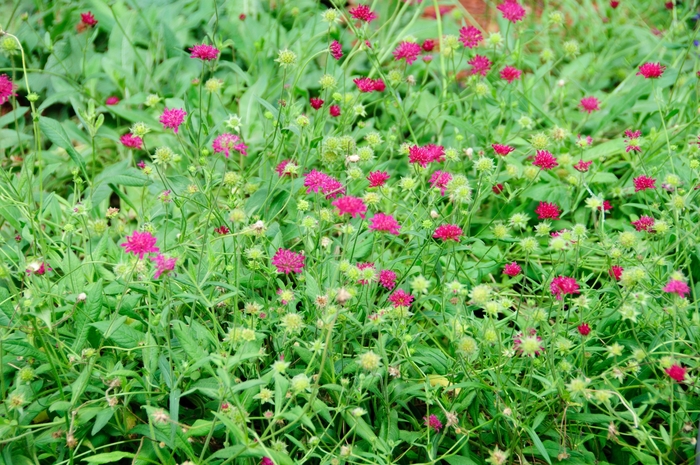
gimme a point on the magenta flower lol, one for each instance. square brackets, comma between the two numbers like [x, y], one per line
[480, 65]
[584, 329]
[676, 286]
[645, 223]
[501, 149]
[282, 167]
[651, 70]
[511, 10]
[163, 265]
[510, 74]
[387, 279]
[316, 103]
[88, 19]
[204, 52]
[352, 206]
[547, 211]
[589, 104]
[616, 272]
[676, 372]
[385, 223]
[364, 84]
[562, 285]
[227, 142]
[7, 88]
[470, 36]
[448, 232]
[583, 166]
[172, 118]
[433, 422]
[266, 461]
[440, 179]
[377, 178]
[642, 183]
[545, 160]
[37, 268]
[287, 261]
[363, 13]
[336, 50]
[131, 141]
[632, 140]
[512, 269]
[316, 181]
[426, 154]
[401, 298]
[408, 51]
[113, 100]
[334, 111]
[140, 243]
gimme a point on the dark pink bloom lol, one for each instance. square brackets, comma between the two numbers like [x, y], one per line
[440, 179]
[607, 206]
[510, 74]
[651, 70]
[676, 286]
[163, 265]
[280, 168]
[7, 88]
[172, 118]
[583, 166]
[643, 183]
[88, 19]
[204, 52]
[363, 266]
[287, 261]
[428, 45]
[316, 103]
[589, 104]
[562, 285]
[316, 181]
[227, 142]
[387, 279]
[401, 298]
[448, 232]
[408, 51]
[334, 111]
[545, 160]
[632, 140]
[37, 268]
[480, 65]
[352, 206]
[497, 189]
[131, 141]
[377, 178]
[501, 149]
[512, 269]
[676, 372]
[266, 461]
[379, 85]
[113, 100]
[645, 223]
[363, 13]
[433, 422]
[584, 329]
[614, 3]
[615, 271]
[364, 84]
[548, 211]
[385, 223]
[470, 36]
[140, 243]
[511, 10]
[426, 154]
[221, 230]
[336, 50]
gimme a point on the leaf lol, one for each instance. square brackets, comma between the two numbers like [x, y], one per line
[87, 313]
[80, 384]
[56, 134]
[121, 334]
[101, 420]
[538, 444]
[23, 349]
[109, 457]
[192, 348]
[6, 310]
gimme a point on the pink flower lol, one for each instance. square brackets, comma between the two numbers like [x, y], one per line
[227, 142]
[280, 168]
[363, 13]
[172, 118]
[676, 286]
[204, 52]
[163, 265]
[287, 261]
[408, 51]
[334, 111]
[362, 266]
[316, 181]
[37, 268]
[222, 230]
[113, 100]
[448, 232]
[518, 343]
[510, 74]
[140, 243]
[607, 206]
[614, 3]
[131, 141]
[651, 70]
[401, 298]
[7, 88]
[545, 160]
[643, 183]
[316, 103]
[615, 271]
[385, 223]
[433, 422]
[266, 461]
[562, 285]
[584, 329]
[480, 65]
[512, 269]
[589, 104]
[429, 45]
[426, 154]
[511, 10]
[364, 84]
[497, 189]
[88, 19]
[440, 179]
[676, 372]
[583, 166]
[336, 50]
[501, 149]
[548, 211]
[377, 178]
[352, 206]
[379, 85]
[632, 140]
[387, 279]
[645, 223]
[470, 36]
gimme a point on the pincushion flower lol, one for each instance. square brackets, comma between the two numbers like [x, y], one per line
[583, 166]
[172, 118]
[384, 223]
[401, 298]
[676, 372]
[545, 160]
[408, 51]
[645, 223]
[547, 211]
[366, 84]
[336, 50]
[7, 88]
[676, 286]
[363, 13]
[387, 279]
[377, 178]
[86, 20]
[480, 65]
[204, 52]
[584, 329]
[131, 141]
[448, 232]
[528, 345]
[433, 422]
[502, 149]
[287, 261]
[163, 265]
[282, 170]
[510, 74]
[632, 140]
[589, 104]
[563, 285]
[428, 45]
[651, 70]
[316, 103]
[37, 268]
[511, 10]
[470, 36]
[140, 243]
[334, 111]
[512, 269]
[228, 142]
[426, 154]
[440, 179]
[498, 188]
[349, 205]
[317, 181]
[615, 271]
[113, 100]
[643, 183]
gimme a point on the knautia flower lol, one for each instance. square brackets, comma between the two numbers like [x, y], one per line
[352, 206]
[401, 298]
[676, 372]
[287, 168]
[583, 166]
[163, 265]
[448, 232]
[140, 243]
[589, 104]
[408, 51]
[470, 36]
[545, 160]
[7, 88]
[676, 286]
[286, 58]
[511, 10]
[315, 103]
[363, 13]
[426, 154]
[564, 285]
[615, 272]
[548, 211]
[433, 422]
[287, 261]
[632, 140]
[316, 181]
[228, 142]
[172, 118]
[87, 20]
[644, 223]
[512, 269]
[387, 279]
[384, 223]
[584, 329]
[440, 179]
[336, 50]
[204, 52]
[651, 70]
[334, 111]
[644, 182]
[377, 178]
[502, 149]
[480, 65]
[510, 74]
[528, 345]
[131, 141]
[113, 100]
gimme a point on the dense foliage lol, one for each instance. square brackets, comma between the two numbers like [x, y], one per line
[304, 231]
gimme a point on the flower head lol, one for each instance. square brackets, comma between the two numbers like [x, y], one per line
[632, 140]
[131, 141]
[510, 74]
[283, 169]
[316, 181]
[512, 269]
[87, 20]
[408, 51]
[645, 223]
[172, 118]
[336, 50]
[479, 65]
[583, 166]
[316, 103]
[426, 154]
[584, 329]
[352, 206]
[287, 261]
[511, 10]
[37, 268]
[651, 70]
[615, 271]
[448, 232]
[7, 88]
[589, 104]
[387, 279]
[401, 298]
[562, 285]
[545, 160]
[163, 265]
[643, 183]
[440, 179]
[502, 149]
[470, 36]
[363, 13]
[548, 211]
[204, 52]
[528, 345]
[227, 142]
[676, 372]
[385, 223]
[377, 178]
[140, 243]
[113, 100]
[676, 286]
[433, 422]
[334, 111]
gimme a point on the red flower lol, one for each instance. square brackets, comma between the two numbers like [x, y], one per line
[426, 154]
[379, 85]
[386, 223]
[172, 118]
[433, 422]
[562, 285]
[266, 461]
[614, 3]
[377, 178]
[643, 183]
[480, 65]
[676, 286]
[428, 45]
[163, 265]
[401, 298]
[353, 206]
[497, 189]
[645, 223]
[440, 179]
[676, 372]
[287, 261]
[204, 52]
[511, 10]
[227, 142]
[221, 230]
[334, 111]
[131, 141]
[336, 50]
[510, 74]
[140, 243]
[545, 160]
[501, 149]
[408, 51]
[316, 181]
[37, 268]
[584, 329]
[589, 104]
[607, 206]
[113, 100]
[363, 13]
[583, 166]
[364, 84]
[448, 232]
[512, 269]
[616, 272]
[387, 279]
[651, 70]
[87, 20]
[548, 211]
[470, 36]
[7, 88]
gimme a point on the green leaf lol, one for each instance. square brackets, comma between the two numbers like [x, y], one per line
[6, 310]
[101, 420]
[87, 313]
[121, 334]
[109, 457]
[56, 134]
[538, 444]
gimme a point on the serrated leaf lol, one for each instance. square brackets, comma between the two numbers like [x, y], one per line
[101, 420]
